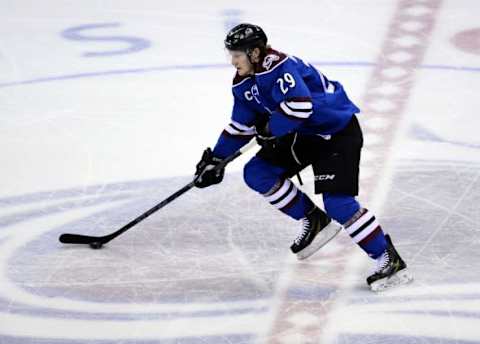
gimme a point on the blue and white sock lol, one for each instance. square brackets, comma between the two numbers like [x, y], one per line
[364, 229]
[286, 197]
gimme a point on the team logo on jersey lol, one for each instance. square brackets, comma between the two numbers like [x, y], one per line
[269, 60]
[253, 94]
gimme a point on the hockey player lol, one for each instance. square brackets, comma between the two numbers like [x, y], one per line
[300, 118]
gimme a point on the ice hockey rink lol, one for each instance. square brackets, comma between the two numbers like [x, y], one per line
[106, 107]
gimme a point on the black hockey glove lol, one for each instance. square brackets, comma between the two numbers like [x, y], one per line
[205, 175]
[265, 138]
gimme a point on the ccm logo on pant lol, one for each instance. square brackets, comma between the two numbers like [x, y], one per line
[325, 177]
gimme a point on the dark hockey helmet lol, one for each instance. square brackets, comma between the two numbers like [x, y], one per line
[245, 36]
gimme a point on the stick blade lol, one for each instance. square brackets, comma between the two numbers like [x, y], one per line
[67, 238]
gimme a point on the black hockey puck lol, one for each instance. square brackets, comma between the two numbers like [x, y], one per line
[96, 245]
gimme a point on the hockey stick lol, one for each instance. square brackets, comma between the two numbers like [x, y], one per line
[98, 241]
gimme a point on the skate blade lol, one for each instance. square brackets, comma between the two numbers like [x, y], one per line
[400, 278]
[322, 238]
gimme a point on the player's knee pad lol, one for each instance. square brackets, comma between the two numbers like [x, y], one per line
[340, 207]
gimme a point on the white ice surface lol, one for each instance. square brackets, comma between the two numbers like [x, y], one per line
[88, 143]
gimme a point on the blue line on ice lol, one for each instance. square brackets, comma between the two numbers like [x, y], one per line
[211, 66]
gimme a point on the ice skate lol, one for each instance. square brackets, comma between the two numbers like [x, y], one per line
[390, 271]
[318, 229]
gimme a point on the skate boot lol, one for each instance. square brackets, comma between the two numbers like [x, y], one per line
[318, 229]
[390, 271]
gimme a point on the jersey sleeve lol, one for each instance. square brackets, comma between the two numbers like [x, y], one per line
[293, 98]
[239, 131]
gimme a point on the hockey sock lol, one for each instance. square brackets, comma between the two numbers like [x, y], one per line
[285, 196]
[367, 233]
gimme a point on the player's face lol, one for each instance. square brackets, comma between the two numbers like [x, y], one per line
[240, 61]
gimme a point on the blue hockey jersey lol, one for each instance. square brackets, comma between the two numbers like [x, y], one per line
[295, 97]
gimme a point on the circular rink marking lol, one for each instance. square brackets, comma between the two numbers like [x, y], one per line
[29, 314]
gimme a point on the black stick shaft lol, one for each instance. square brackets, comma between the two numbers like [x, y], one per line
[67, 238]
[150, 211]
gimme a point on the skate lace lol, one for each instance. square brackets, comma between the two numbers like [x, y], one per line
[303, 233]
[382, 262]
